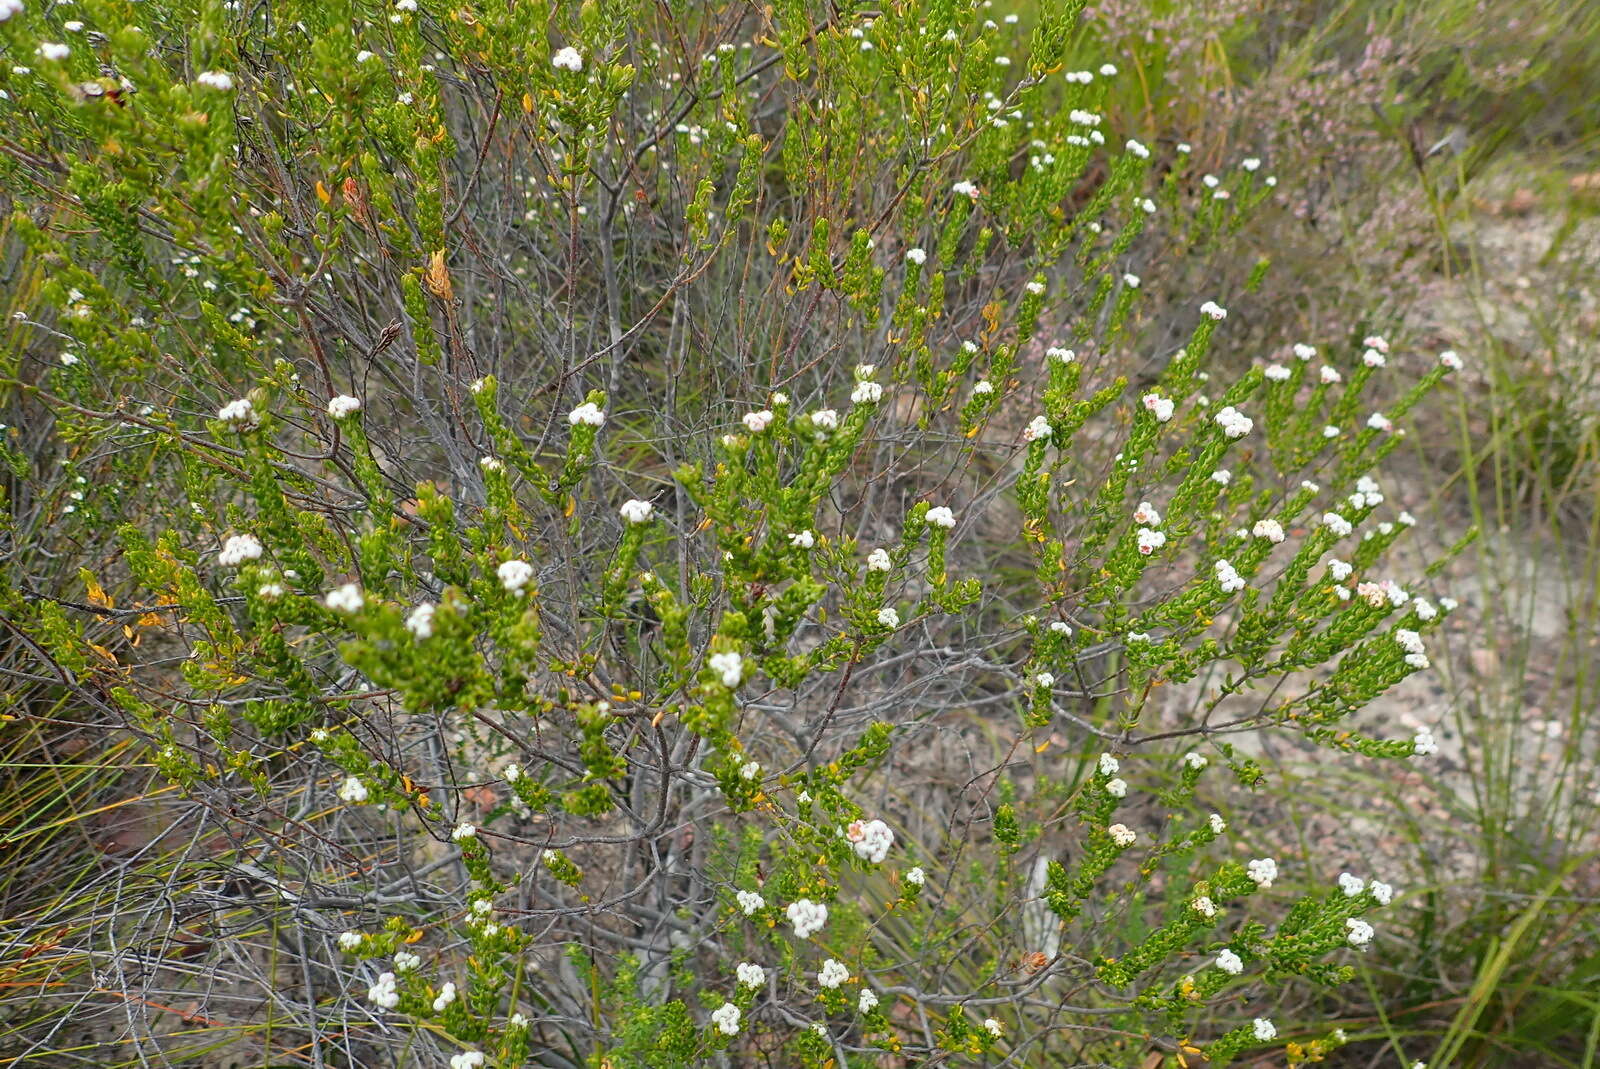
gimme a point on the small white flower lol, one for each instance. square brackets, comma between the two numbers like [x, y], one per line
[589, 414]
[447, 995]
[350, 940]
[1380, 422]
[750, 770]
[1337, 524]
[1137, 149]
[868, 1001]
[1061, 627]
[1277, 373]
[1373, 358]
[1117, 788]
[1265, 1030]
[240, 414]
[1234, 423]
[1108, 765]
[1060, 355]
[833, 973]
[888, 617]
[982, 388]
[1213, 310]
[1036, 287]
[1228, 578]
[1423, 744]
[1351, 885]
[568, 59]
[469, 1059]
[916, 256]
[420, 622]
[344, 405]
[8, 8]
[993, 1027]
[1216, 824]
[1204, 906]
[728, 666]
[353, 790]
[1158, 406]
[726, 1018]
[803, 539]
[871, 839]
[1262, 871]
[878, 560]
[238, 549]
[53, 50]
[347, 598]
[1196, 761]
[1222, 476]
[364, 56]
[965, 189]
[1250, 163]
[756, 422]
[941, 516]
[825, 419]
[807, 917]
[405, 961]
[750, 975]
[1359, 931]
[1230, 963]
[1122, 835]
[1038, 429]
[1450, 360]
[866, 393]
[1271, 530]
[384, 994]
[405, 5]
[1303, 351]
[1381, 891]
[636, 511]
[463, 831]
[515, 574]
[750, 902]
[1148, 541]
[915, 876]
[1146, 514]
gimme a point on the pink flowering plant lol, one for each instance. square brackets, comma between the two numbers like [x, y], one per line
[649, 541]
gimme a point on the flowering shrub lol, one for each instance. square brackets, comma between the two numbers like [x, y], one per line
[551, 481]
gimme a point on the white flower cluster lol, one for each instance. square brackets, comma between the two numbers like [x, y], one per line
[568, 59]
[728, 666]
[870, 839]
[1423, 744]
[1229, 962]
[1038, 429]
[1337, 524]
[1263, 870]
[589, 414]
[1150, 540]
[726, 1018]
[1227, 578]
[833, 973]
[1264, 1030]
[750, 975]
[1158, 406]
[941, 516]
[240, 414]
[636, 511]
[1204, 906]
[515, 574]
[347, 598]
[1122, 835]
[1411, 642]
[868, 1001]
[807, 917]
[344, 406]
[447, 995]
[8, 8]
[1213, 310]
[467, 1059]
[756, 422]
[1271, 530]
[803, 539]
[750, 902]
[385, 993]
[420, 622]
[238, 549]
[1351, 885]
[221, 81]
[353, 791]
[1234, 423]
[878, 560]
[1359, 932]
